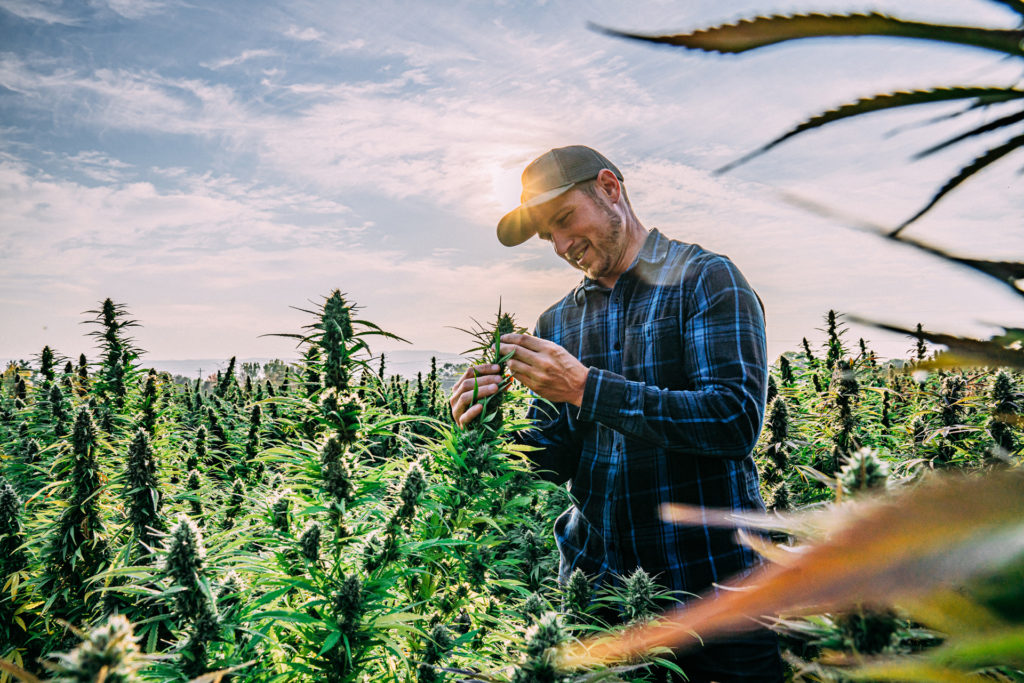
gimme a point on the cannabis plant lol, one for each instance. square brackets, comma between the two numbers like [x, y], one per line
[118, 352]
[13, 562]
[107, 653]
[539, 663]
[142, 493]
[191, 598]
[488, 351]
[149, 402]
[12, 555]
[778, 434]
[1005, 406]
[577, 596]
[78, 548]
[309, 542]
[439, 643]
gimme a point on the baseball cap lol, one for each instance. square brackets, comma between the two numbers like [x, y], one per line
[548, 176]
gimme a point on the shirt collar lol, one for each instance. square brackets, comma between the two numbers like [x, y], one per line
[653, 251]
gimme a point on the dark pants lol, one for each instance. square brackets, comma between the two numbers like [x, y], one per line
[749, 657]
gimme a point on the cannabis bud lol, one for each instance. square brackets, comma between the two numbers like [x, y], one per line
[278, 504]
[309, 542]
[538, 664]
[184, 563]
[640, 588]
[863, 471]
[109, 653]
[336, 471]
[413, 486]
[231, 589]
[576, 597]
[534, 606]
[348, 604]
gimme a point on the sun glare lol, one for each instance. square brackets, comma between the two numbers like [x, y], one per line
[505, 182]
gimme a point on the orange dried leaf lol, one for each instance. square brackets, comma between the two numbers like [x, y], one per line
[877, 551]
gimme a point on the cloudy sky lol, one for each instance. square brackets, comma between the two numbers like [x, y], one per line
[213, 165]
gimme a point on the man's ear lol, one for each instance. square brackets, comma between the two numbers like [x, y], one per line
[609, 184]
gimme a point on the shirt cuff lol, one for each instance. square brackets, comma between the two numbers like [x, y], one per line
[603, 396]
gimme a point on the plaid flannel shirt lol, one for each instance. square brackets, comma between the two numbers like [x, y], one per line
[672, 408]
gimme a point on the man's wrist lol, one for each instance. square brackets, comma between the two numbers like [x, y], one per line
[603, 396]
[580, 385]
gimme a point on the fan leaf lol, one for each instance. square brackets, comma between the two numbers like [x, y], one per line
[882, 102]
[750, 34]
[963, 351]
[1008, 273]
[986, 159]
[1001, 122]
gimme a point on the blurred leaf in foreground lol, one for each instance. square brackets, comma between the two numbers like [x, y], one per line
[947, 536]
[963, 352]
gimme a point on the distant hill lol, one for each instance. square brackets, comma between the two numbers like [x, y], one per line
[404, 362]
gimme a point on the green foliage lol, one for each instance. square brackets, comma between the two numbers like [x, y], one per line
[329, 535]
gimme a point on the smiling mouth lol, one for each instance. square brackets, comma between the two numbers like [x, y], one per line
[575, 258]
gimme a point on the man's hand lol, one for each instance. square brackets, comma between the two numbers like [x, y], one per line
[545, 367]
[485, 380]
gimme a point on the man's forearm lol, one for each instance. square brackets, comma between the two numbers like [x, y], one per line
[718, 420]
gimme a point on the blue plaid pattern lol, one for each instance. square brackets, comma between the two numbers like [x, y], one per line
[671, 411]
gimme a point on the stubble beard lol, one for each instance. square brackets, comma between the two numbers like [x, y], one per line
[609, 245]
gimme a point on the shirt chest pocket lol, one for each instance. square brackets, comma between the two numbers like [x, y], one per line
[652, 353]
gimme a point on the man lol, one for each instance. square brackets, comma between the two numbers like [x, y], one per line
[655, 364]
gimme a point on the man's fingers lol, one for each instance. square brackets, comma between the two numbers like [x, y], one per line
[465, 398]
[462, 399]
[466, 384]
[482, 370]
[526, 341]
[471, 414]
[520, 370]
[522, 353]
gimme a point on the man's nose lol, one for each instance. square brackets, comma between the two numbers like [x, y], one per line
[562, 245]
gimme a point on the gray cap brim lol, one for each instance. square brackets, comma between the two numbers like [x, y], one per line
[515, 227]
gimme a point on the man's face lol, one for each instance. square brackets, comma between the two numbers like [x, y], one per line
[586, 230]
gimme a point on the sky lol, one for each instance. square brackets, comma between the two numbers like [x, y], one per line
[219, 166]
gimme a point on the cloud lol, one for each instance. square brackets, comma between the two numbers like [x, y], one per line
[239, 59]
[135, 9]
[312, 35]
[423, 121]
[217, 244]
[306, 34]
[99, 166]
[127, 100]
[45, 11]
